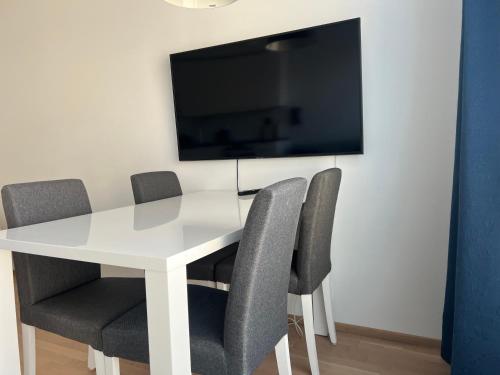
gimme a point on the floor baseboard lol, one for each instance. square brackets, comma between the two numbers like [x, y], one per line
[401, 338]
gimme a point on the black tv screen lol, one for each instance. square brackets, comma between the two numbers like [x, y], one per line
[294, 94]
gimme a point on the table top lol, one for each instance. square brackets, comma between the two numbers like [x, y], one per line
[159, 235]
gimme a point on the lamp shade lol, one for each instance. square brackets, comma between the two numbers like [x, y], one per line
[200, 4]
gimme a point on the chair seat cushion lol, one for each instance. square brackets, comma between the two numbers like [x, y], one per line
[127, 337]
[204, 268]
[81, 313]
[293, 286]
[224, 271]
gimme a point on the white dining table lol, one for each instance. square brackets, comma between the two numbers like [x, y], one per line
[159, 237]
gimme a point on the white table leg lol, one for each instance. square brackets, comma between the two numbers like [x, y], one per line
[9, 346]
[168, 322]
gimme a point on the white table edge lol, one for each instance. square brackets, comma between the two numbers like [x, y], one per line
[121, 260]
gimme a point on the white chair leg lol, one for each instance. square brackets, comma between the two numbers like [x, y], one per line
[328, 299]
[307, 311]
[29, 349]
[283, 357]
[100, 365]
[222, 286]
[90, 358]
[112, 365]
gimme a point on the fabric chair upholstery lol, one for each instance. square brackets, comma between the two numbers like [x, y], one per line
[40, 277]
[127, 337]
[315, 232]
[224, 272]
[81, 313]
[63, 296]
[311, 262]
[152, 186]
[231, 333]
[204, 268]
[256, 317]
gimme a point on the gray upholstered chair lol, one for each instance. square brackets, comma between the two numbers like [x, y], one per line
[311, 263]
[65, 297]
[153, 186]
[231, 333]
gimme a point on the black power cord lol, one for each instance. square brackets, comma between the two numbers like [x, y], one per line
[238, 175]
[244, 192]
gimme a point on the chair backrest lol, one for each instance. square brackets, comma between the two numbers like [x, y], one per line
[315, 230]
[153, 186]
[41, 277]
[256, 313]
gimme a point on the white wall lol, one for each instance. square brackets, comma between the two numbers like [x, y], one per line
[85, 92]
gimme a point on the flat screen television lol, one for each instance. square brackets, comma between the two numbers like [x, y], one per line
[293, 94]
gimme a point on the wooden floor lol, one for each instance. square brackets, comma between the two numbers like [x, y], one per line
[353, 355]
